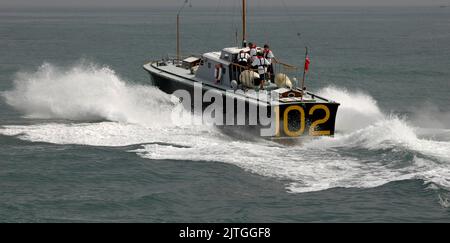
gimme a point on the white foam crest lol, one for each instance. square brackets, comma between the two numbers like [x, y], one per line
[391, 133]
[383, 134]
[317, 165]
[87, 92]
[360, 123]
[111, 134]
[357, 110]
[306, 169]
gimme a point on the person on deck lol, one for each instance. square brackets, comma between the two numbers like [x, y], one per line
[243, 58]
[268, 55]
[260, 63]
[253, 51]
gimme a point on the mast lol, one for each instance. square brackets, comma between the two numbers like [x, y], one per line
[244, 23]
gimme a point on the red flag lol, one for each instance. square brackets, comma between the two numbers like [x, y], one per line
[307, 62]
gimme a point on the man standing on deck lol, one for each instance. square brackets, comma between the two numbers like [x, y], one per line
[260, 63]
[253, 51]
[243, 58]
[268, 55]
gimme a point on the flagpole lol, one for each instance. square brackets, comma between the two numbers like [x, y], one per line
[304, 72]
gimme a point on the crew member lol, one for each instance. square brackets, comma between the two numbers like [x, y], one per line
[253, 51]
[260, 63]
[268, 55]
[243, 58]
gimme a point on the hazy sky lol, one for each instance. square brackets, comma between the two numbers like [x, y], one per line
[150, 3]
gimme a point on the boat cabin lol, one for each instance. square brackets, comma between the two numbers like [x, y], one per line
[224, 62]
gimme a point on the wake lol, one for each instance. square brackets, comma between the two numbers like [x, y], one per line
[87, 92]
[371, 148]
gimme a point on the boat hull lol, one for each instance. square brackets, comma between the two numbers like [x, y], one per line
[288, 119]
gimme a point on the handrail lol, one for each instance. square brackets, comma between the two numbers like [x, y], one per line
[243, 67]
[285, 65]
[175, 58]
[275, 61]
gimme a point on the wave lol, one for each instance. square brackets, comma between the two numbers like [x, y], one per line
[371, 147]
[87, 92]
[357, 110]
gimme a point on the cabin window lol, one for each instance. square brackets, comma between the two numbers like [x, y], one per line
[209, 65]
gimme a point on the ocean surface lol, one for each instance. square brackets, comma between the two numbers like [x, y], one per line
[84, 137]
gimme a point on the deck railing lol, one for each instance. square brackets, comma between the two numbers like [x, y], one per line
[236, 69]
[278, 67]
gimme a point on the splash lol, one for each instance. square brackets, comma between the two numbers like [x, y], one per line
[358, 110]
[87, 92]
[369, 150]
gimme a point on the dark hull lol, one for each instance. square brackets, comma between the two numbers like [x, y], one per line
[314, 119]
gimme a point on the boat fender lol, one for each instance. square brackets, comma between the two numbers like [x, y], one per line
[234, 85]
[283, 81]
[247, 78]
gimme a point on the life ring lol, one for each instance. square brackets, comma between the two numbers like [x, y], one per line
[218, 72]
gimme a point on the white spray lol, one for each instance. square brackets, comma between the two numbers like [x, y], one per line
[89, 92]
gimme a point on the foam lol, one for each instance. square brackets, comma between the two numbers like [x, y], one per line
[87, 92]
[112, 134]
[358, 109]
[370, 149]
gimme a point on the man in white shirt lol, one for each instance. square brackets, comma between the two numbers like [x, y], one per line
[268, 55]
[260, 63]
[243, 58]
[253, 51]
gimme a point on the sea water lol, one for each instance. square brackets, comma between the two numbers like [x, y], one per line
[85, 137]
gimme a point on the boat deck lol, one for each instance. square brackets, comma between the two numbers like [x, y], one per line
[172, 71]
